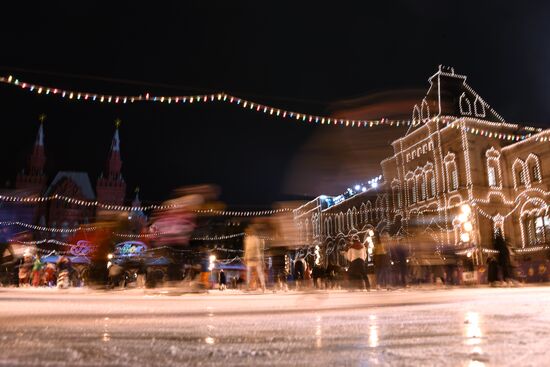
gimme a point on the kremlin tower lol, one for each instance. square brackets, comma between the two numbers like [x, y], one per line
[34, 179]
[111, 188]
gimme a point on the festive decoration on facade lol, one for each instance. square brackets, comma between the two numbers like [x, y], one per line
[452, 180]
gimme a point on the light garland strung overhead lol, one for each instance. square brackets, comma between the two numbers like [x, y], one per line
[200, 98]
[233, 213]
[41, 242]
[122, 235]
[47, 229]
[266, 109]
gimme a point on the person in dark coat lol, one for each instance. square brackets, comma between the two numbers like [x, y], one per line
[492, 271]
[503, 257]
[401, 255]
[318, 274]
[222, 280]
[299, 272]
[333, 276]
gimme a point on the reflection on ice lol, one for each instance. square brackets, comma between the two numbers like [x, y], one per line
[473, 331]
[318, 332]
[373, 336]
[106, 337]
[476, 364]
[373, 331]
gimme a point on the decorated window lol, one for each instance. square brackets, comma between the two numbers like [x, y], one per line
[399, 205]
[522, 178]
[423, 190]
[536, 174]
[479, 107]
[454, 175]
[542, 229]
[493, 168]
[491, 175]
[533, 165]
[451, 172]
[429, 181]
[519, 173]
[412, 191]
[465, 106]
[425, 110]
[420, 188]
[396, 194]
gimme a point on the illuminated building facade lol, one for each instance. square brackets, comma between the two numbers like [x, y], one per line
[459, 174]
[110, 189]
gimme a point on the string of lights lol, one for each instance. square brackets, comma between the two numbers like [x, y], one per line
[457, 124]
[199, 98]
[47, 229]
[525, 250]
[218, 238]
[81, 202]
[41, 242]
[266, 109]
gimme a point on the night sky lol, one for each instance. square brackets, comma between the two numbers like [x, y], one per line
[308, 57]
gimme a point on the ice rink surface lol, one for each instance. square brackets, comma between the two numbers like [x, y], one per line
[408, 327]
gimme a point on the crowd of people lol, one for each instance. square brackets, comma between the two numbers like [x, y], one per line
[365, 267]
[33, 272]
[381, 268]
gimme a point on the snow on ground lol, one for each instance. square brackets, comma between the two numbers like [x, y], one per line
[410, 327]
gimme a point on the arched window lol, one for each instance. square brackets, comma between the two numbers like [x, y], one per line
[420, 184]
[520, 174]
[369, 212]
[479, 107]
[494, 174]
[314, 225]
[350, 219]
[533, 165]
[411, 187]
[354, 217]
[429, 180]
[363, 213]
[416, 115]
[425, 110]
[451, 172]
[396, 194]
[465, 106]
[306, 226]
[539, 229]
[386, 205]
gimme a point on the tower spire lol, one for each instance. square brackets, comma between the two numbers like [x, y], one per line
[34, 178]
[111, 187]
[38, 158]
[114, 164]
